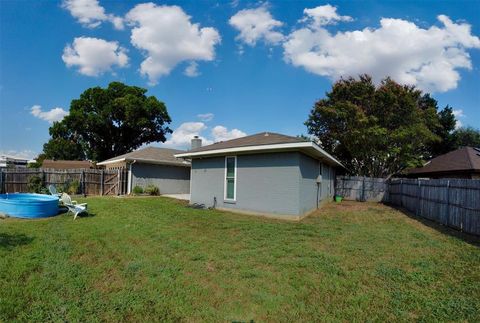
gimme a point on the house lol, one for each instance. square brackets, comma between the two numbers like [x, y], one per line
[67, 164]
[154, 166]
[12, 162]
[460, 163]
[266, 174]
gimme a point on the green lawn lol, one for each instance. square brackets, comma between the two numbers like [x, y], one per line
[144, 259]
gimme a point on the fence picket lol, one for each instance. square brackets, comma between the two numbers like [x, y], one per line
[92, 181]
[452, 202]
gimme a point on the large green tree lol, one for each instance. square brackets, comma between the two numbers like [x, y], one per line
[376, 130]
[107, 122]
[445, 131]
[468, 136]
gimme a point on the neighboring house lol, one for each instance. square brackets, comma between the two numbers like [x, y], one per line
[460, 163]
[12, 162]
[67, 164]
[263, 174]
[154, 166]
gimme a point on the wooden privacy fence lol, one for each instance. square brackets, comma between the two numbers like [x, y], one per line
[363, 189]
[91, 181]
[452, 202]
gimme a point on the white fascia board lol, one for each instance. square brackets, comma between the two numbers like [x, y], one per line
[259, 148]
[159, 162]
[111, 161]
[142, 160]
[323, 152]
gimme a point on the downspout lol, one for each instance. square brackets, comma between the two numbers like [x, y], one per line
[130, 182]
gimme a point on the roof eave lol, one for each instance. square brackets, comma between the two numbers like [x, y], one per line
[159, 162]
[265, 148]
[111, 161]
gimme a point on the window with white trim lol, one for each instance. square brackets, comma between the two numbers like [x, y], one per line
[230, 177]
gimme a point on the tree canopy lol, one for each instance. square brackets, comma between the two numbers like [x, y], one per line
[107, 122]
[379, 130]
[468, 136]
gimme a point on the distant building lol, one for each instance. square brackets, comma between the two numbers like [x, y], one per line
[154, 166]
[460, 163]
[12, 162]
[67, 164]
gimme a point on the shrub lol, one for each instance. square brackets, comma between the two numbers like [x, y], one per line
[152, 190]
[35, 184]
[74, 187]
[137, 190]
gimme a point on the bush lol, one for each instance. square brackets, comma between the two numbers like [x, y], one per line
[35, 184]
[137, 190]
[152, 190]
[74, 187]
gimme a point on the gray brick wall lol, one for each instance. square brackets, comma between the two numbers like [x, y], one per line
[266, 183]
[169, 179]
[274, 183]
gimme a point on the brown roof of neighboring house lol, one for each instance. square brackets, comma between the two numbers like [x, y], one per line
[67, 164]
[263, 138]
[152, 155]
[463, 159]
[260, 143]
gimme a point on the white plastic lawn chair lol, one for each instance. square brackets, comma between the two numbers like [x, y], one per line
[53, 190]
[73, 206]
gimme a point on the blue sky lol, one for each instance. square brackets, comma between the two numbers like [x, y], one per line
[226, 69]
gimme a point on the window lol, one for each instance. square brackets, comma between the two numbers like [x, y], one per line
[230, 177]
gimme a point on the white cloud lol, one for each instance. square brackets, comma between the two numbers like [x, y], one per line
[220, 133]
[94, 56]
[323, 15]
[458, 115]
[23, 154]
[192, 70]
[429, 58]
[168, 37]
[255, 25]
[55, 114]
[205, 116]
[116, 21]
[182, 136]
[90, 14]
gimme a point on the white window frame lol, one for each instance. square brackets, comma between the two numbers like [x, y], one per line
[234, 183]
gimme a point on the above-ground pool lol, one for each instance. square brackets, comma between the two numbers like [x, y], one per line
[28, 206]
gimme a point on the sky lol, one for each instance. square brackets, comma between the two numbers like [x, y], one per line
[226, 69]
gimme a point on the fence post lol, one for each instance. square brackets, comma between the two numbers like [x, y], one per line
[118, 181]
[102, 178]
[419, 193]
[448, 203]
[83, 183]
[363, 189]
[401, 193]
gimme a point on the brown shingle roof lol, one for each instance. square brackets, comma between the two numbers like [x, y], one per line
[263, 138]
[463, 159]
[67, 164]
[262, 142]
[150, 154]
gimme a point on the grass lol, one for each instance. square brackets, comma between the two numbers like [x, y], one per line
[153, 259]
